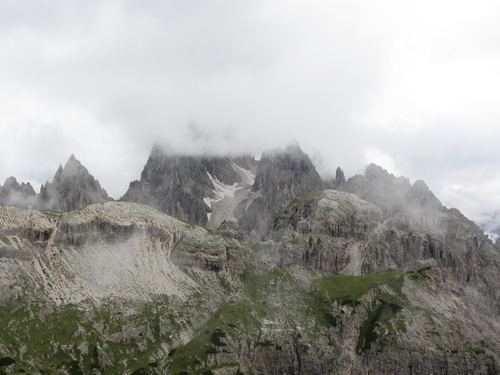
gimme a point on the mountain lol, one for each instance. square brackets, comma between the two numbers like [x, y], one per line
[286, 277]
[73, 187]
[282, 175]
[186, 186]
[239, 191]
[121, 288]
[16, 194]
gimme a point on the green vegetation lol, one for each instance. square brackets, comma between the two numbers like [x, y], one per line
[5, 240]
[475, 350]
[68, 339]
[368, 333]
[188, 223]
[231, 320]
[312, 195]
[53, 214]
[71, 339]
[347, 290]
[382, 309]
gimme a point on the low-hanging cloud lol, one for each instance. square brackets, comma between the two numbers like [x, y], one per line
[411, 85]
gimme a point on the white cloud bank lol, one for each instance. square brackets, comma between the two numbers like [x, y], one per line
[412, 85]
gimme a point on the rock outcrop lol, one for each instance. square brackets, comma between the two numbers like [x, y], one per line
[122, 287]
[377, 278]
[282, 175]
[326, 231]
[105, 250]
[211, 190]
[185, 186]
[16, 194]
[73, 187]
[389, 193]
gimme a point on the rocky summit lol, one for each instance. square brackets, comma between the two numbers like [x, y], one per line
[231, 265]
[73, 187]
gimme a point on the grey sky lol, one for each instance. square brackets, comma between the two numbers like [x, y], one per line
[411, 85]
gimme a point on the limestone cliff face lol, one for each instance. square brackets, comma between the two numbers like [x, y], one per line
[121, 287]
[179, 185]
[389, 193]
[112, 278]
[16, 194]
[325, 230]
[281, 176]
[104, 250]
[418, 231]
[378, 278]
[211, 191]
[337, 232]
[73, 187]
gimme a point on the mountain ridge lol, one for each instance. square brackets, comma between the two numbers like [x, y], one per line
[72, 187]
[283, 274]
[146, 288]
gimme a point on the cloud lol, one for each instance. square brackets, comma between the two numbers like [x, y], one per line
[413, 86]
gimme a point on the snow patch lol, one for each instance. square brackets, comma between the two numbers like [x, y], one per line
[248, 176]
[222, 190]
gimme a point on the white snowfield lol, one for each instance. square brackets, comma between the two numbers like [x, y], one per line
[227, 197]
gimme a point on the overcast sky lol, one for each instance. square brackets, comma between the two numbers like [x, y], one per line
[413, 86]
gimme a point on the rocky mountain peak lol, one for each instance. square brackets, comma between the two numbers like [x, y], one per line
[73, 187]
[58, 174]
[290, 169]
[392, 194]
[281, 176]
[13, 193]
[420, 195]
[185, 186]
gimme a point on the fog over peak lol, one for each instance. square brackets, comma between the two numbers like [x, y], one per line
[413, 87]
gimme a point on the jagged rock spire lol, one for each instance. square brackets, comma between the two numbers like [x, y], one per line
[339, 176]
[73, 187]
[13, 193]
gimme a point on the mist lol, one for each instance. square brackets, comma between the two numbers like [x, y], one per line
[411, 87]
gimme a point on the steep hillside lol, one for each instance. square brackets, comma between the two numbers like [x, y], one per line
[378, 278]
[102, 285]
[187, 186]
[238, 191]
[282, 175]
[121, 288]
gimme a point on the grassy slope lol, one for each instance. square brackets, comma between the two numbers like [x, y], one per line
[69, 338]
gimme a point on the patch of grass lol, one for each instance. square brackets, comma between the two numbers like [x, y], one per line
[313, 194]
[475, 350]
[348, 290]
[5, 240]
[368, 332]
[424, 272]
[188, 223]
[388, 299]
[210, 336]
[53, 214]
[55, 335]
